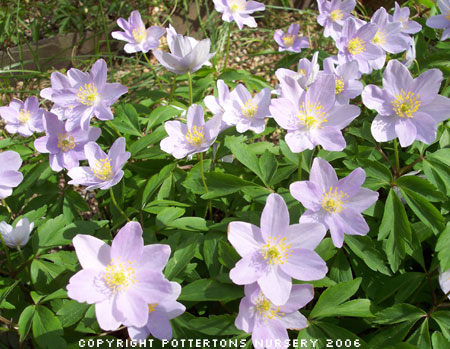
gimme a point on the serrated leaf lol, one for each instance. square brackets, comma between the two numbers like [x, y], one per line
[365, 248]
[399, 313]
[420, 186]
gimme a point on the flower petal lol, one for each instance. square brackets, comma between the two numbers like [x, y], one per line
[275, 217]
[245, 237]
[92, 252]
[128, 243]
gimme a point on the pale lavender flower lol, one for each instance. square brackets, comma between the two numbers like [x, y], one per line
[220, 104]
[312, 117]
[268, 322]
[58, 82]
[444, 281]
[389, 36]
[10, 177]
[194, 137]
[238, 11]
[346, 77]
[158, 324]
[337, 204]
[356, 44]
[407, 108]
[401, 15]
[66, 148]
[18, 235]
[306, 74]
[186, 53]
[290, 41]
[247, 112]
[333, 14]
[24, 118]
[137, 37]
[121, 279]
[104, 171]
[277, 252]
[410, 55]
[89, 94]
[441, 21]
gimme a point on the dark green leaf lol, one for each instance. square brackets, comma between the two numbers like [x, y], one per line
[210, 290]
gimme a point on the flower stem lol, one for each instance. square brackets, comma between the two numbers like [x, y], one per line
[190, 87]
[113, 198]
[300, 157]
[114, 128]
[200, 157]
[397, 158]
[227, 49]
[7, 207]
[8, 258]
[153, 70]
[25, 263]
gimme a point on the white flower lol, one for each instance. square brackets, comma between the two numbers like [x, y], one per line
[18, 235]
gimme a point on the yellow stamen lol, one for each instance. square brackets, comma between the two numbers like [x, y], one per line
[24, 116]
[336, 15]
[379, 38]
[266, 309]
[356, 46]
[87, 94]
[151, 307]
[340, 85]
[406, 104]
[139, 34]
[333, 201]
[249, 109]
[196, 136]
[288, 39]
[119, 275]
[103, 169]
[312, 115]
[276, 251]
[66, 142]
[237, 5]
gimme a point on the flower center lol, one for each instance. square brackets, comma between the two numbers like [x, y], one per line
[249, 109]
[196, 136]
[448, 15]
[103, 169]
[66, 142]
[151, 307]
[24, 116]
[312, 115]
[237, 5]
[356, 46]
[87, 94]
[288, 39]
[266, 309]
[336, 15]
[276, 251]
[406, 104]
[333, 201]
[339, 85]
[139, 34]
[379, 38]
[119, 275]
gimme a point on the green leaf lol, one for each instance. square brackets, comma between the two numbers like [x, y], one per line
[390, 335]
[243, 153]
[142, 143]
[162, 114]
[48, 234]
[366, 249]
[268, 166]
[438, 174]
[184, 250]
[438, 340]
[377, 170]
[25, 321]
[227, 255]
[339, 337]
[421, 337]
[189, 223]
[395, 223]
[442, 248]
[215, 325]
[426, 212]
[340, 268]
[443, 320]
[420, 186]
[47, 330]
[126, 120]
[71, 312]
[209, 290]
[221, 184]
[155, 182]
[334, 296]
[167, 215]
[399, 313]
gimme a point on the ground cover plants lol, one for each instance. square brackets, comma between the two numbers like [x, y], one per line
[170, 196]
